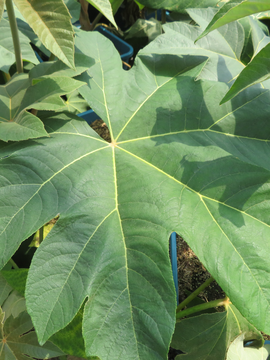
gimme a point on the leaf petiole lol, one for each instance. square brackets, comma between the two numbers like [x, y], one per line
[15, 35]
[194, 294]
[204, 306]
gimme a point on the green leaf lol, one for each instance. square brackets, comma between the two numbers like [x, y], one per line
[257, 71]
[18, 95]
[50, 20]
[234, 10]
[5, 289]
[74, 9]
[16, 278]
[178, 6]
[209, 336]
[105, 7]
[177, 161]
[260, 37]
[115, 4]
[70, 339]
[223, 47]
[74, 103]
[18, 342]
[237, 351]
[7, 57]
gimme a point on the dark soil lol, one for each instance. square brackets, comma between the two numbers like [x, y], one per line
[192, 274]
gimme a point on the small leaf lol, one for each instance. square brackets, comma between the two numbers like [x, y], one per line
[18, 95]
[234, 10]
[105, 7]
[209, 336]
[237, 351]
[258, 70]
[19, 342]
[50, 20]
[26, 126]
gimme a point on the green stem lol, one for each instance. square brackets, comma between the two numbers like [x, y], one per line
[96, 20]
[41, 234]
[13, 263]
[6, 76]
[204, 306]
[163, 16]
[15, 35]
[194, 294]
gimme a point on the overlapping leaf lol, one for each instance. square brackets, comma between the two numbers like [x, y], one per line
[18, 341]
[238, 351]
[105, 7]
[234, 10]
[41, 90]
[7, 57]
[50, 20]
[178, 6]
[258, 70]
[209, 336]
[223, 47]
[177, 161]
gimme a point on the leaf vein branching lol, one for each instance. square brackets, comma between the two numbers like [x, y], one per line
[193, 131]
[145, 100]
[235, 110]
[74, 265]
[233, 313]
[189, 188]
[47, 181]
[240, 256]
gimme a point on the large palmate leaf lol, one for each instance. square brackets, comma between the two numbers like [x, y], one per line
[178, 6]
[7, 54]
[209, 336]
[223, 47]
[41, 90]
[50, 20]
[177, 161]
[234, 10]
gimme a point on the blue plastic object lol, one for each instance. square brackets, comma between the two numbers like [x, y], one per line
[173, 252]
[125, 50]
[89, 116]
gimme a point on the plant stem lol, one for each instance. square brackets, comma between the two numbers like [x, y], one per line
[15, 35]
[194, 294]
[6, 76]
[204, 306]
[96, 20]
[13, 263]
[163, 16]
[41, 234]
